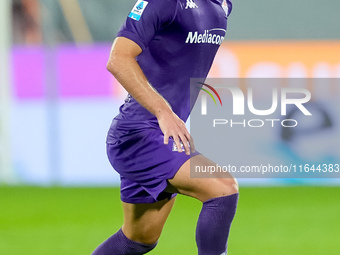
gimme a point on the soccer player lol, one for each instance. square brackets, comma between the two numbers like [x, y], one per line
[163, 44]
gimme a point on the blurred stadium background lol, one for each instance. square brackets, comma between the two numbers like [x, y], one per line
[58, 193]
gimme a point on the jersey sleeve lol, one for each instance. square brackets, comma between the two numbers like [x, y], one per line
[146, 19]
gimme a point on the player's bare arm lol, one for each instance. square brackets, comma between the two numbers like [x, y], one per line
[123, 65]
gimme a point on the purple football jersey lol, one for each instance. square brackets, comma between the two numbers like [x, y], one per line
[179, 39]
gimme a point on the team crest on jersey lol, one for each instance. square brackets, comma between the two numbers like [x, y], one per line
[225, 7]
[174, 147]
[138, 10]
[191, 4]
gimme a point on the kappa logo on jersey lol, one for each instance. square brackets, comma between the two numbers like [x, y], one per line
[191, 4]
[212, 36]
[225, 7]
[138, 10]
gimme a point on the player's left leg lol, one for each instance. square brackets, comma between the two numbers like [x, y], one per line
[143, 224]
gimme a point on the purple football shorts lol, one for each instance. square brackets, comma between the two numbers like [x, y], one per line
[136, 150]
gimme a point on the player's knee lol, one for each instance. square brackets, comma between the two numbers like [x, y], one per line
[228, 187]
[234, 186]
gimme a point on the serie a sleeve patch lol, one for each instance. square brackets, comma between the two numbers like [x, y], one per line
[138, 10]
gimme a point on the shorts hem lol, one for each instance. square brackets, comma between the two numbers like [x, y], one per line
[138, 200]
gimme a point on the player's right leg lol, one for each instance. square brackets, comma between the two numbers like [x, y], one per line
[143, 224]
[219, 197]
[202, 189]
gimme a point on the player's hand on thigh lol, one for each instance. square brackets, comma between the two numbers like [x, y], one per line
[172, 126]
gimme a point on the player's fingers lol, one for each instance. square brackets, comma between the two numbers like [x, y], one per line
[191, 142]
[192, 145]
[185, 142]
[166, 139]
[178, 143]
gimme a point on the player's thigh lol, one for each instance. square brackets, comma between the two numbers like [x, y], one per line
[144, 222]
[202, 188]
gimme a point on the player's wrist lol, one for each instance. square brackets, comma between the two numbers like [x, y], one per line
[162, 112]
[162, 109]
